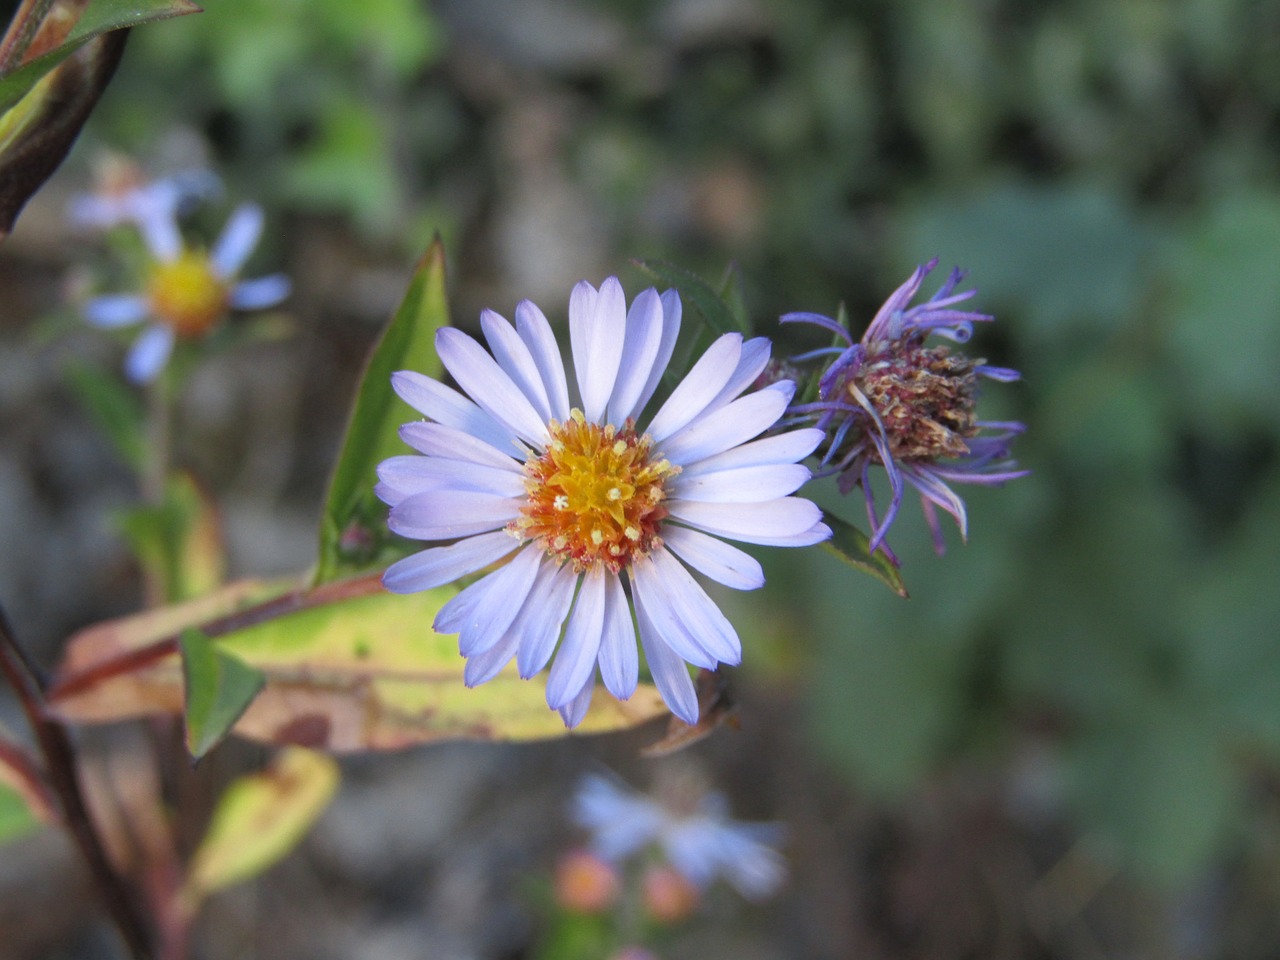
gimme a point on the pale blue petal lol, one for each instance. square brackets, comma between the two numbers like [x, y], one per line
[788, 447]
[722, 562]
[619, 657]
[755, 357]
[260, 293]
[451, 443]
[481, 613]
[116, 310]
[576, 659]
[647, 590]
[410, 474]
[573, 711]
[689, 602]
[597, 329]
[237, 241]
[699, 387]
[479, 375]
[484, 666]
[784, 517]
[554, 590]
[743, 485]
[162, 237]
[446, 514]
[639, 350]
[536, 332]
[447, 406]
[671, 311]
[436, 566]
[741, 420]
[517, 362]
[149, 353]
[620, 821]
[670, 675]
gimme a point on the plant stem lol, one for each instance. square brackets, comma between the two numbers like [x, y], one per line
[59, 757]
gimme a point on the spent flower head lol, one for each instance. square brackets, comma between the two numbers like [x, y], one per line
[891, 400]
[187, 290]
[594, 518]
[688, 824]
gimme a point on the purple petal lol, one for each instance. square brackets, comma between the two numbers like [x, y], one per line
[573, 711]
[484, 666]
[446, 514]
[677, 590]
[788, 447]
[479, 375]
[755, 357]
[818, 319]
[619, 657]
[699, 387]
[238, 239]
[671, 312]
[597, 329]
[149, 353]
[722, 562]
[639, 350]
[575, 661]
[436, 566]
[481, 613]
[410, 474]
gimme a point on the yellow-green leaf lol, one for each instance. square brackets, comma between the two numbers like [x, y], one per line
[260, 818]
[178, 542]
[218, 688]
[353, 529]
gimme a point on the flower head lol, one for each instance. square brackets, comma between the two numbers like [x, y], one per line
[187, 290]
[689, 824]
[892, 400]
[124, 195]
[583, 506]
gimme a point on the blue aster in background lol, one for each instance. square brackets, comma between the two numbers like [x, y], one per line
[690, 826]
[187, 290]
[594, 519]
[893, 401]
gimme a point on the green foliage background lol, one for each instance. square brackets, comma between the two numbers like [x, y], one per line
[1107, 172]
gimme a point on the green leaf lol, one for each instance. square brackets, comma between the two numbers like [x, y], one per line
[178, 542]
[101, 16]
[114, 408]
[260, 818]
[352, 528]
[16, 816]
[218, 689]
[734, 297]
[851, 545]
[718, 315]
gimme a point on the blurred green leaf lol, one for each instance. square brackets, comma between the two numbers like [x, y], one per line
[25, 802]
[260, 818]
[217, 688]
[1156, 787]
[353, 521]
[178, 541]
[114, 408]
[851, 545]
[718, 315]
[1224, 308]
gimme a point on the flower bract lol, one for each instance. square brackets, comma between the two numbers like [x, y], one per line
[592, 518]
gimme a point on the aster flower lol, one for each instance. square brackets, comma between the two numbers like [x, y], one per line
[188, 290]
[690, 826]
[890, 400]
[584, 507]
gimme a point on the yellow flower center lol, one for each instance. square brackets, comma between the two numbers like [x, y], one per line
[595, 496]
[186, 294]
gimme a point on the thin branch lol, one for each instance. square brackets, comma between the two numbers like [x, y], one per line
[59, 758]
